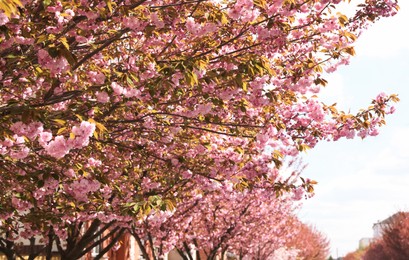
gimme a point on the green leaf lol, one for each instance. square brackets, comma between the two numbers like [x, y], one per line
[191, 78]
[260, 3]
[59, 121]
[46, 2]
[61, 130]
[64, 42]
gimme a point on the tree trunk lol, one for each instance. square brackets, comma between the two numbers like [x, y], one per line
[10, 255]
[182, 254]
[80, 243]
[141, 245]
[111, 244]
[8, 249]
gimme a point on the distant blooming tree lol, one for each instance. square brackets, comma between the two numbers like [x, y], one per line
[394, 243]
[376, 251]
[109, 109]
[356, 255]
[309, 242]
[251, 224]
[396, 236]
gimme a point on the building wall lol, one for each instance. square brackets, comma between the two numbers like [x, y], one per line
[174, 255]
[364, 242]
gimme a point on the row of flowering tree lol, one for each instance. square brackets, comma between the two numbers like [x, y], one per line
[250, 224]
[111, 110]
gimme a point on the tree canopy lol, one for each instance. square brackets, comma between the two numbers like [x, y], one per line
[112, 110]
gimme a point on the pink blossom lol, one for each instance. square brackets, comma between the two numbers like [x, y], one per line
[187, 174]
[392, 110]
[96, 77]
[133, 23]
[192, 26]
[298, 193]
[34, 129]
[8, 142]
[21, 204]
[7, 82]
[58, 148]
[285, 254]
[102, 97]
[174, 161]
[82, 134]
[132, 92]
[106, 191]
[57, 7]
[20, 153]
[92, 162]
[70, 173]
[31, 131]
[79, 189]
[204, 108]
[19, 139]
[51, 184]
[19, 128]
[155, 19]
[363, 133]
[85, 129]
[56, 65]
[25, 41]
[3, 18]
[381, 97]
[118, 90]
[44, 138]
[148, 184]
[81, 39]
[262, 138]
[374, 132]
[3, 149]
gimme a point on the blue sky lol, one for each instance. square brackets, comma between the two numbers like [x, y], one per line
[363, 181]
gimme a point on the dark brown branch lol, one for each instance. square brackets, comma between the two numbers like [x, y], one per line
[100, 48]
[176, 4]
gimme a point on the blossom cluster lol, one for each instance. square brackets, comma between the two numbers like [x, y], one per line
[57, 147]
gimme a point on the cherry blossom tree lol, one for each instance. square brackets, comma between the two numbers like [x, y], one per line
[309, 242]
[110, 108]
[396, 236]
[376, 250]
[357, 254]
[394, 243]
[251, 224]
